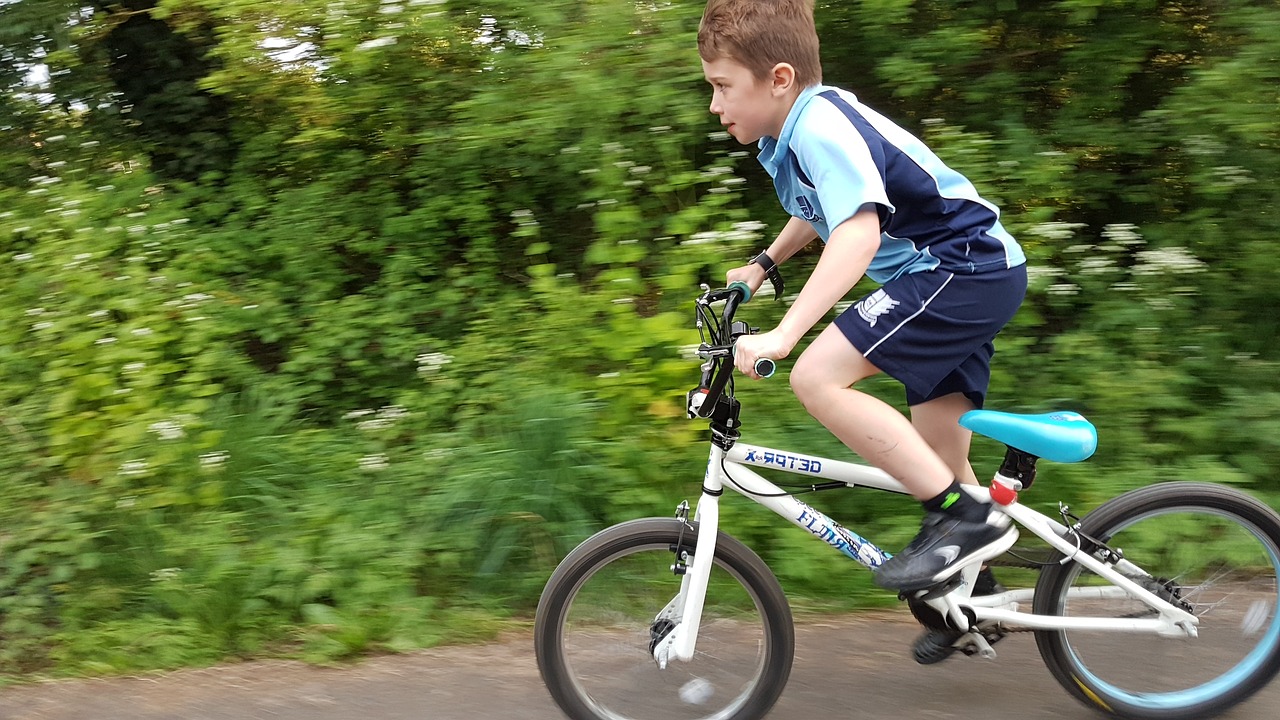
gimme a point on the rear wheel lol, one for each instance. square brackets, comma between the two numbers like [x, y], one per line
[1211, 550]
[598, 621]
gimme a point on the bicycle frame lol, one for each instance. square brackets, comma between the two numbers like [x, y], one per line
[732, 469]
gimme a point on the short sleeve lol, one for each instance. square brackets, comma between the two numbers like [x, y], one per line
[842, 168]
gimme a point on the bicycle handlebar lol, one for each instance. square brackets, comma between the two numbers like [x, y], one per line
[723, 332]
[765, 367]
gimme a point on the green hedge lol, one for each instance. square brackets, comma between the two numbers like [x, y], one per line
[339, 351]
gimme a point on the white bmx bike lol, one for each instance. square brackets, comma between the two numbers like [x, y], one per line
[1160, 604]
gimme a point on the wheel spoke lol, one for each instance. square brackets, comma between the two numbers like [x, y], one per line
[1212, 551]
[597, 624]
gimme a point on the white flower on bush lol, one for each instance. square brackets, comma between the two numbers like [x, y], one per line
[1167, 260]
[373, 463]
[168, 429]
[432, 362]
[165, 574]
[1122, 233]
[191, 300]
[214, 460]
[1097, 265]
[435, 454]
[376, 43]
[1056, 230]
[1038, 272]
[384, 418]
[702, 238]
[134, 467]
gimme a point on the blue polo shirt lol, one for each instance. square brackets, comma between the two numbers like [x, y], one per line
[836, 155]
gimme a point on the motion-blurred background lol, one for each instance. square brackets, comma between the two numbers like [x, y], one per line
[330, 325]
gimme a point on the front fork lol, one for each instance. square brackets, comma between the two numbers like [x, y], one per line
[685, 609]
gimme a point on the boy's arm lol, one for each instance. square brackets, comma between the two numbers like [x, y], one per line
[844, 260]
[796, 234]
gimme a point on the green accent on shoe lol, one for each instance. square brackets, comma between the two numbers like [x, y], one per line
[950, 500]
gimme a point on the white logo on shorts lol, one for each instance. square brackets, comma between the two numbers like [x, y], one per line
[874, 305]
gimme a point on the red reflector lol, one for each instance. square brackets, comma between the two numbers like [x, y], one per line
[1002, 493]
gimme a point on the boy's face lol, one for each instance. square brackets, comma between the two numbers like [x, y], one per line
[748, 108]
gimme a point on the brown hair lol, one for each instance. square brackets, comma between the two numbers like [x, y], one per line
[759, 34]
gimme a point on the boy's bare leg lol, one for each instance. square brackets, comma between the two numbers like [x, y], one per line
[955, 530]
[823, 378]
[938, 422]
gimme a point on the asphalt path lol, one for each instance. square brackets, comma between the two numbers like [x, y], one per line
[847, 667]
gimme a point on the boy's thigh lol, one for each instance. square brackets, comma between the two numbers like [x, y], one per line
[933, 331]
[830, 360]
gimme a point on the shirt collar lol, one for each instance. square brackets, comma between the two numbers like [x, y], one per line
[774, 151]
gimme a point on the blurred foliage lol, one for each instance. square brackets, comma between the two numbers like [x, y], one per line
[333, 325]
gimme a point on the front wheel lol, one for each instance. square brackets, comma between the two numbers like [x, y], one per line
[1208, 549]
[598, 620]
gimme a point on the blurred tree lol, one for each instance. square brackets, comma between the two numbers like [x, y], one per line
[119, 59]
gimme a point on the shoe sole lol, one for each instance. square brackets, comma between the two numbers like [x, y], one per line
[987, 552]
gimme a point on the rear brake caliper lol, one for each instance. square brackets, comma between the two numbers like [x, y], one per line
[1091, 545]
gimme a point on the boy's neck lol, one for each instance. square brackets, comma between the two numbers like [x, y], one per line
[784, 108]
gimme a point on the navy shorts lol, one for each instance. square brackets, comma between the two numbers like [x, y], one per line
[933, 331]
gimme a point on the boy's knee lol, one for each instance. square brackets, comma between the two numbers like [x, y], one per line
[804, 384]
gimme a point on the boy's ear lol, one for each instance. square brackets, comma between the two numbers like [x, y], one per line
[783, 77]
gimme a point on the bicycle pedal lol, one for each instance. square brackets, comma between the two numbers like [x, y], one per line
[934, 592]
[980, 644]
[934, 646]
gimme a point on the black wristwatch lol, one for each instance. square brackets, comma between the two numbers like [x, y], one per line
[770, 271]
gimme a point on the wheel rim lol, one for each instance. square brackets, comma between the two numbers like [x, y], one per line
[1240, 592]
[605, 636]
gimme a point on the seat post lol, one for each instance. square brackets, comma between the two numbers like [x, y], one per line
[1019, 466]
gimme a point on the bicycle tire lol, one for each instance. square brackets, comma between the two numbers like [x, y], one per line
[590, 685]
[1223, 549]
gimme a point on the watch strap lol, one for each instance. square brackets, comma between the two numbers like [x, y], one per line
[771, 272]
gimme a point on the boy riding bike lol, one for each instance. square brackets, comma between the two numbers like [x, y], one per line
[886, 207]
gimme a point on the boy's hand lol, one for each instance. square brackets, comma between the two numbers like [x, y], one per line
[751, 274]
[750, 348]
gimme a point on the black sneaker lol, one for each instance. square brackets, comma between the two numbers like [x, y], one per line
[935, 644]
[945, 544]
